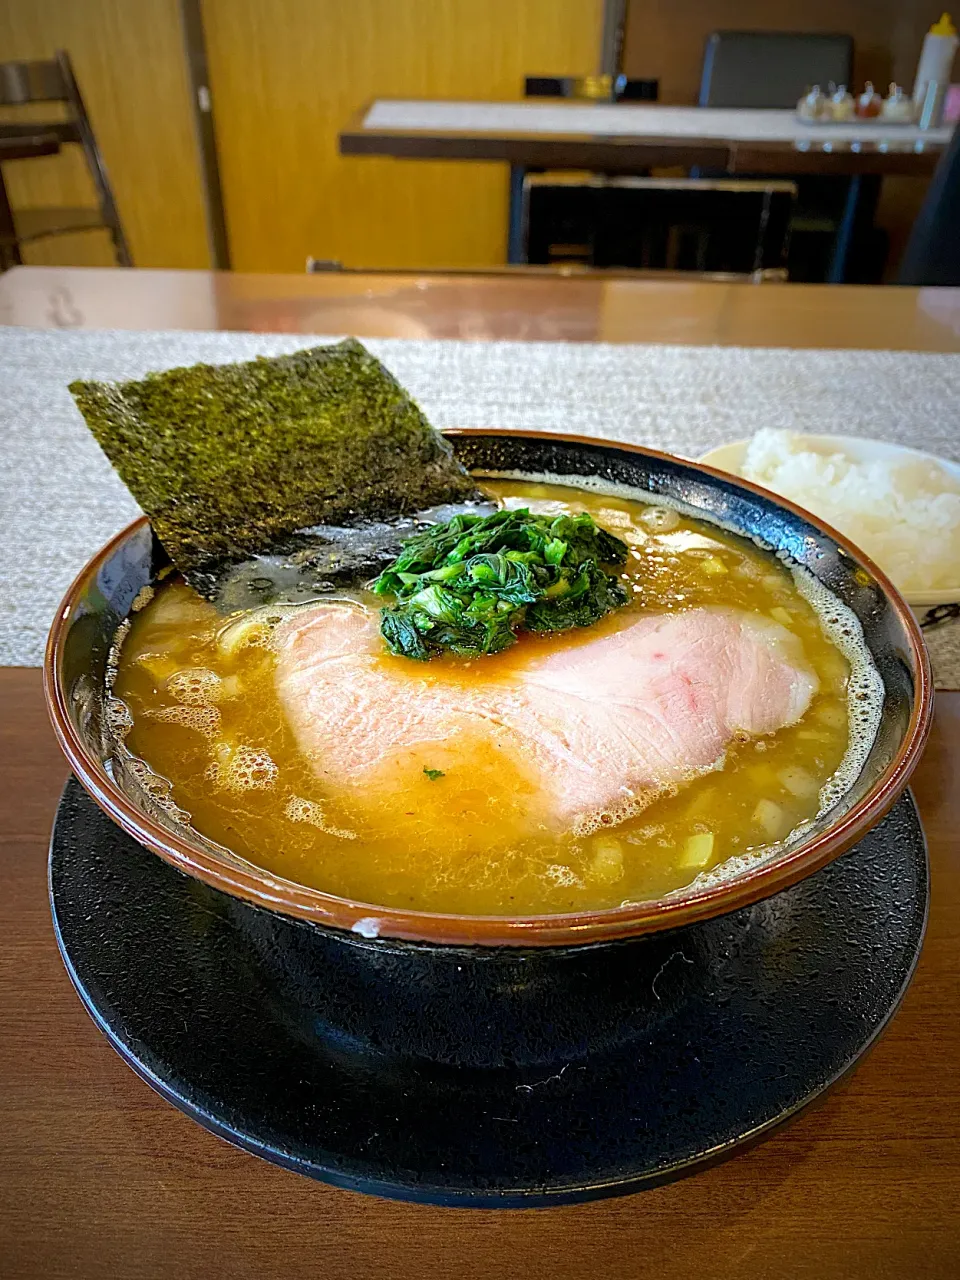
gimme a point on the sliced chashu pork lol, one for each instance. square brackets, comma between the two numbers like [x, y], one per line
[595, 728]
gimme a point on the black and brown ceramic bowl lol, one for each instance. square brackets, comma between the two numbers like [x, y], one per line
[482, 990]
[95, 605]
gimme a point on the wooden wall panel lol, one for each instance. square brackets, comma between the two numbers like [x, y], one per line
[286, 74]
[129, 61]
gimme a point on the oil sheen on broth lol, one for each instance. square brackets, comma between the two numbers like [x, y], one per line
[201, 692]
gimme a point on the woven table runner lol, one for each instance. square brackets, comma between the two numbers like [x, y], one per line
[60, 500]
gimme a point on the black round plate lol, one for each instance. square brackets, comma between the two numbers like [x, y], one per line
[803, 983]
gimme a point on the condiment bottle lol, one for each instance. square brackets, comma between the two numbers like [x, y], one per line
[936, 57]
[897, 107]
[842, 106]
[869, 104]
[811, 106]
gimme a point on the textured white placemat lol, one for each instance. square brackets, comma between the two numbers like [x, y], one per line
[60, 500]
[739, 124]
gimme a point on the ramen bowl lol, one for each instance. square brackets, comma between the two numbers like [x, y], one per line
[491, 971]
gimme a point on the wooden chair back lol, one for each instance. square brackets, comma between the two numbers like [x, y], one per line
[27, 83]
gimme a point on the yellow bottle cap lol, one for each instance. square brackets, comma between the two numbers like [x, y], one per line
[944, 27]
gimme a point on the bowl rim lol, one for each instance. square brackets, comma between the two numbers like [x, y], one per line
[260, 888]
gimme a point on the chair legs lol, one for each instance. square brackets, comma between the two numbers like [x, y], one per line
[120, 249]
[9, 249]
[98, 170]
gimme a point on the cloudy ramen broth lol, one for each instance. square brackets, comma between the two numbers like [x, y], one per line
[203, 712]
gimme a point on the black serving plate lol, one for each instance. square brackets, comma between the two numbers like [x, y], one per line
[637, 1061]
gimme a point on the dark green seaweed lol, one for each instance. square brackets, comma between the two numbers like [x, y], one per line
[228, 460]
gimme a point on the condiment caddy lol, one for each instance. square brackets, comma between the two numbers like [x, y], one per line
[838, 106]
[925, 107]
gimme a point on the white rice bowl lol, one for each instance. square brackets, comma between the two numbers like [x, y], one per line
[902, 507]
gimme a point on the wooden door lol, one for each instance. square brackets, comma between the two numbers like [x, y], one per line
[286, 74]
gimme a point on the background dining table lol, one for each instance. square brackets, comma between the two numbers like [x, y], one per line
[623, 136]
[101, 1178]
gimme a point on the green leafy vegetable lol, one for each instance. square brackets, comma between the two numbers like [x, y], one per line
[227, 460]
[434, 774]
[468, 585]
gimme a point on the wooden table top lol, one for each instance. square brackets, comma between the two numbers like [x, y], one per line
[523, 304]
[626, 137]
[101, 1178]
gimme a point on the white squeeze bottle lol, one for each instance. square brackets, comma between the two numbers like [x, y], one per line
[936, 57]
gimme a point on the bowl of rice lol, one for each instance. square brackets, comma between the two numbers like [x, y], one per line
[901, 506]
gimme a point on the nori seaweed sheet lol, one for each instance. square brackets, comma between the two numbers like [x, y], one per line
[227, 460]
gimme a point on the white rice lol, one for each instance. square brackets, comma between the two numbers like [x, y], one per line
[904, 515]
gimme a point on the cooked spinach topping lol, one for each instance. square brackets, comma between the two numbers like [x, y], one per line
[467, 586]
[229, 460]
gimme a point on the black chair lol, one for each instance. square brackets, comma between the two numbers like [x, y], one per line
[771, 68]
[616, 88]
[619, 88]
[658, 224]
[932, 255]
[29, 83]
[832, 236]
